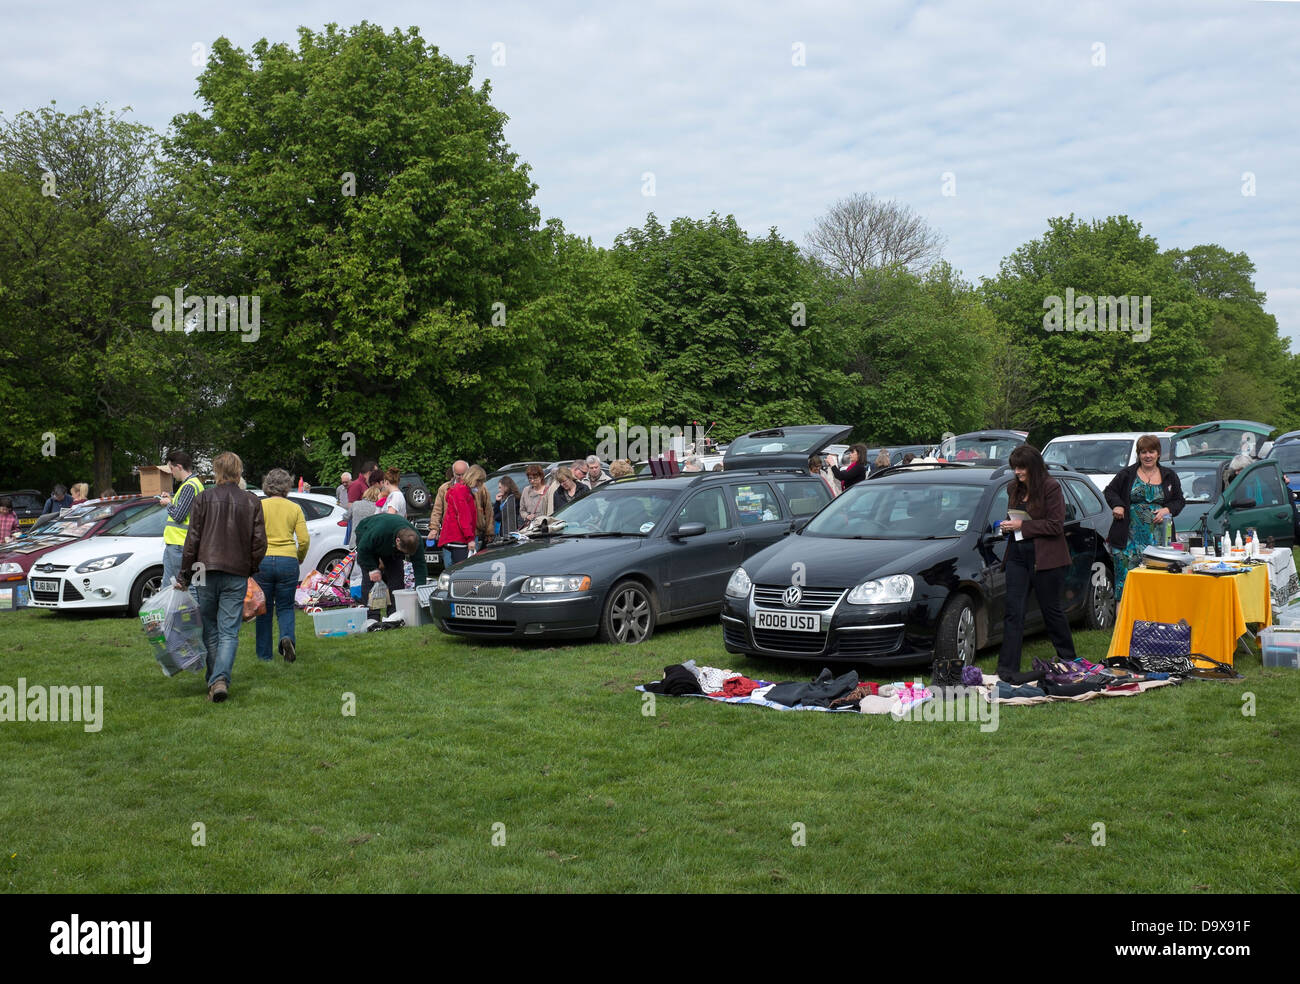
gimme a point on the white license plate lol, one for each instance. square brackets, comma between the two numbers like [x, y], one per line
[46, 586]
[788, 621]
[474, 611]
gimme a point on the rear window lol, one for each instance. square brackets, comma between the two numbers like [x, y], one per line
[775, 442]
[311, 509]
[755, 503]
[1087, 497]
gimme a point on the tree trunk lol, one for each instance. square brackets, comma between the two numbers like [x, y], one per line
[103, 467]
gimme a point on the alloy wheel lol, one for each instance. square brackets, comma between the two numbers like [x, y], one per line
[629, 616]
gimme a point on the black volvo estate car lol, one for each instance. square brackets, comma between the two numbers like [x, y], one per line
[906, 566]
[630, 555]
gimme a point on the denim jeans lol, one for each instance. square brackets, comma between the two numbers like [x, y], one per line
[277, 577]
[221, 606]
[172, 554]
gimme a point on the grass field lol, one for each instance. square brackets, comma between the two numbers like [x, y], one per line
[547, 751]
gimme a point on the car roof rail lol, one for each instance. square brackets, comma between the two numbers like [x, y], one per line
[917, 466]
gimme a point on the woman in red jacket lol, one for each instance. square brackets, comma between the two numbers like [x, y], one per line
[1037, 556]
[459, 522]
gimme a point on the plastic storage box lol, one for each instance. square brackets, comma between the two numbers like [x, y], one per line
[339, 621]
[407, 602]
[1281, 646]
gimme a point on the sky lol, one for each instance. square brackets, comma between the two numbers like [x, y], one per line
[987, 118]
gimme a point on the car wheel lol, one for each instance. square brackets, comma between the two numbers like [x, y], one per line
[146, 586]
[629, 615]
[420, 497]
[955, 638]
[330, 559]
[1099, 612]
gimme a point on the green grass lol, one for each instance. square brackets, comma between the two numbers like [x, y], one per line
[450, 738]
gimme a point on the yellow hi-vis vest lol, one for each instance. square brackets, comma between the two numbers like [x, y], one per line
[174, 532]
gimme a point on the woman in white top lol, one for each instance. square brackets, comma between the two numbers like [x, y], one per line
[396, 502]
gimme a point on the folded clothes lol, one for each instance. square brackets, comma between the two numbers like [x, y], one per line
[1006, 691]
[863, 689]
[738, 686]
[678, 681]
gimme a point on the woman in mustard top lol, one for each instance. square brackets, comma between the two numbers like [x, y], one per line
[286, 546]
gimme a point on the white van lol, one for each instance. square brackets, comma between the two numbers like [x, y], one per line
[1101, 456]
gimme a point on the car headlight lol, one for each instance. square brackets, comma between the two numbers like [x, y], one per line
[444, 581]
[101, 563]
[739, 585]
[551, 584]
[886, 591]
[6, 569]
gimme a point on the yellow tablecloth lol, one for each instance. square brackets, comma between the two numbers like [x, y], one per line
[1217, 608]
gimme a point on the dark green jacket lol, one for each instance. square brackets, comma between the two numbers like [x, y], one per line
[376, 540]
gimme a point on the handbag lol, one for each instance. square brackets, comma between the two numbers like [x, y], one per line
[254, 601]
[1160, 639]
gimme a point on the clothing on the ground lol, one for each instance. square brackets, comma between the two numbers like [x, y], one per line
[678, 681]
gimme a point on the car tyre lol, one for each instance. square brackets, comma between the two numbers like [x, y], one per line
[330, 559]
[148, 584]
[630, 614]
[955, 638]
[1099, 610]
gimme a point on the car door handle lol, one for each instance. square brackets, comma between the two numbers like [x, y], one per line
[1281, 515]
[734, 543]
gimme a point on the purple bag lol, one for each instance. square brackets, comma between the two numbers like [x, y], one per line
[971, 676]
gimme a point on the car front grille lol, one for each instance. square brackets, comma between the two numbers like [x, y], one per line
[811, 600]
[475, 588]
[734, 635]
[51, 568]
[480, 628]
[70, 593]
[805, 643]
[872, 643]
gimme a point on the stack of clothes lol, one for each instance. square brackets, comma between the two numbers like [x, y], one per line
[1075, 680]
[828, 692]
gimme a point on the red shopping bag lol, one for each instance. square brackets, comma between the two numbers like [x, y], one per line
[254, 601]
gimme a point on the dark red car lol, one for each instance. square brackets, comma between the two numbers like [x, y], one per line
[82, 520]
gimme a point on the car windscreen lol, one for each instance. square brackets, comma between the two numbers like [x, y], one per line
[628, 510]
[76, 523]
[1288, 456]
[1090, 457]
[782, 442]
[879, 510]
[138, 522]
[1200, 482]
[995, 449]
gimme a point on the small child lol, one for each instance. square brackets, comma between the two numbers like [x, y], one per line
[8, 521]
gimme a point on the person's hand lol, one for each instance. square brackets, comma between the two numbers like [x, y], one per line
[1010, 524]
[165, 499]
[1162, 515]
[500, 493]
[1118, 512]
[832, 459]
[374, 575]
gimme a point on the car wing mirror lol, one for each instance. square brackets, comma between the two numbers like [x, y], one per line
[1244, 504]
[688, 529]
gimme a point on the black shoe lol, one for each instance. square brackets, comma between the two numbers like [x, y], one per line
[287, 650]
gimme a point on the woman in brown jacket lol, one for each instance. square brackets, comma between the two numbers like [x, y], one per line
[1037, 556]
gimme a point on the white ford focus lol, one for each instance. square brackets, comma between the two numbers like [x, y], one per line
[122, 565]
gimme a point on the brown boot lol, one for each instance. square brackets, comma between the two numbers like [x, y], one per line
[218, 692]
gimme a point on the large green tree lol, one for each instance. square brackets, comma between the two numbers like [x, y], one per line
[361, 187]
[82, 374]
[735, 327]
[1047, 298]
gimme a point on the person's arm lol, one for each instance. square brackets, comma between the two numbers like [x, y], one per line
[549, 500]
[190, 552]
[1053, 521]
[301, 532]
[1175, 501]
[366, 555]
[419, 565]
[439, 509]
[259, 536]
[1116, 492]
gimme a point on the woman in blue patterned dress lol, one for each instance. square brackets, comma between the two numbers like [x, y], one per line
[1141, 497]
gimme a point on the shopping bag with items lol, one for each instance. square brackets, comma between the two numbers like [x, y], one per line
[254, 601]
[171, 624]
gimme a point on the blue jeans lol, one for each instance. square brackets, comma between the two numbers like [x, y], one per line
[221, 606]
[277, 577]
[172, 553]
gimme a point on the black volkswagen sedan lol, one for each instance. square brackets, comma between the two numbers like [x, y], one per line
[631, 555]
[904, 567]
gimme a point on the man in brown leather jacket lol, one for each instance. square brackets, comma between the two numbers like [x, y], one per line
[226, 541]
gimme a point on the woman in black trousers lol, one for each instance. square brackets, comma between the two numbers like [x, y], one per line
[1037, 556]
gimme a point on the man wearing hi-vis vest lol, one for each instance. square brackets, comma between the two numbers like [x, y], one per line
[178, 513]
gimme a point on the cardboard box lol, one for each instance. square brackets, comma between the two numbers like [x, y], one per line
[155, 480]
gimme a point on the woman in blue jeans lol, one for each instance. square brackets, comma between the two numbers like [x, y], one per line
[286, 546]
